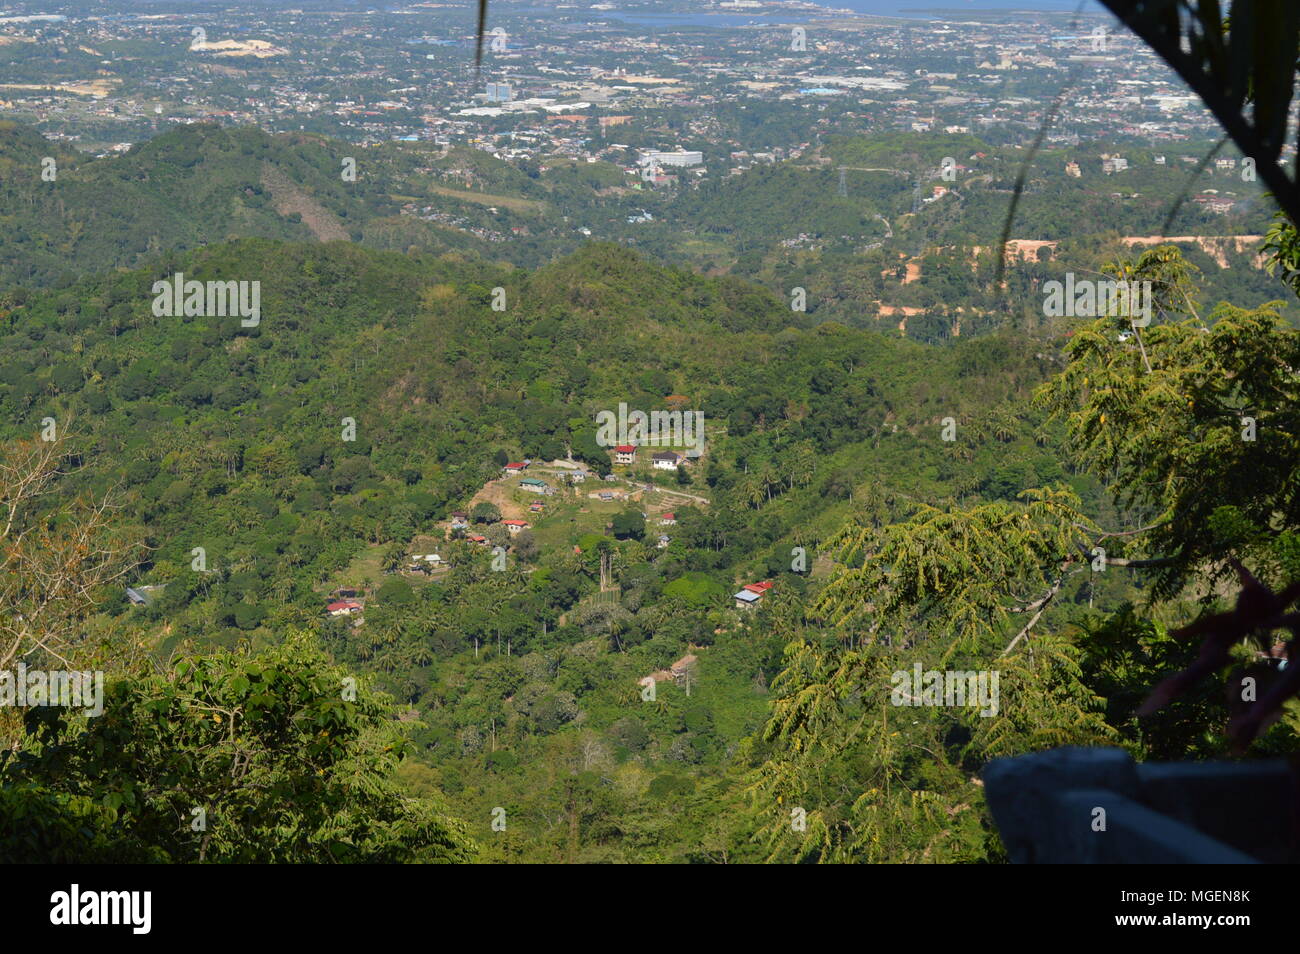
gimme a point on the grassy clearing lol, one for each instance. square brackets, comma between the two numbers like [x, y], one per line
[564, 522]
[514, 204]
[365, 570]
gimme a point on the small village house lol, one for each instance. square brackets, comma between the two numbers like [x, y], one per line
[424, 562]
[144, 595]
[751, 594]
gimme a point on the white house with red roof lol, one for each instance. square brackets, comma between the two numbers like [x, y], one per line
[624, 453]
[515, 526]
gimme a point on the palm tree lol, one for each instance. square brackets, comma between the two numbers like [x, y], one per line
[392, 557]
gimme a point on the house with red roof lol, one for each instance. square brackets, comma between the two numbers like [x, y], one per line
[624, 453]
[751, 594]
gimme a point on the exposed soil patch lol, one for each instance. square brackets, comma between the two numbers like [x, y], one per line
[288, 199]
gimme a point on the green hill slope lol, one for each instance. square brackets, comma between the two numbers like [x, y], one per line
[235, 440]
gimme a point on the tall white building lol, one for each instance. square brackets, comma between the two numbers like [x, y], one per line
[680, 158]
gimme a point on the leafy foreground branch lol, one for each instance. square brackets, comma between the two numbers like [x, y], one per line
[227, 758]
[1191, 431]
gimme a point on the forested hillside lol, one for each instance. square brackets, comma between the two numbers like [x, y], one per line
[193, 186]
[885, 489]
[367, 584]
[857, 224]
